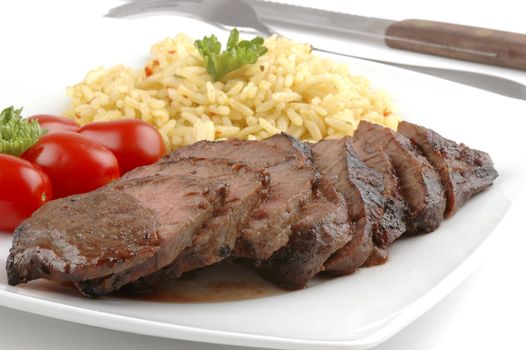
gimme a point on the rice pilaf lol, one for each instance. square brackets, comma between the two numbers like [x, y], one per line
[288, 89]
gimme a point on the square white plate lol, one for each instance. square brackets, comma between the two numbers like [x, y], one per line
[351, 312]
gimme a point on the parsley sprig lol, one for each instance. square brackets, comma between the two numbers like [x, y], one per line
[17, 134]
[237, 53]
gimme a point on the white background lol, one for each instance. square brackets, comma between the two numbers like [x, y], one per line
[486, 311]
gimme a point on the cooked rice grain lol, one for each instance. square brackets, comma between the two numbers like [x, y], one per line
[288, 89]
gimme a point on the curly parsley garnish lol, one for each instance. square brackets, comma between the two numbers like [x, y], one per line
[237, 54]
[17, 134]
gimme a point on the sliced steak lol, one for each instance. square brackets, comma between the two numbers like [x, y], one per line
[392, 222]
[294, 180]
[323, 229]
[463, 171]
[126, 229]
[419, 182]
[217, 238]
[361, 187]
[240, 176]
[272, 233]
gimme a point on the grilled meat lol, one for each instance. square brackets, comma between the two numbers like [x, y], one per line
[463, 171]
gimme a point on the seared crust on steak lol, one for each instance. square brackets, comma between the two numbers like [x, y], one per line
[419, 182]
[57, 242]
[463, 171]
[324, 228]
[362, 189]
[394, 215]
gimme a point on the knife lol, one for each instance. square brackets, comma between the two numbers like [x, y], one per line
[481, 45]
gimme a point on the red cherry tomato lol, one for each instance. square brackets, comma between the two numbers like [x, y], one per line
[74, 163]
[53, 123]
[134, 142]
[24, 187]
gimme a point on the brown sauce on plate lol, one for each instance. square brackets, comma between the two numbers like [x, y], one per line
[222, 282]
[229, 281]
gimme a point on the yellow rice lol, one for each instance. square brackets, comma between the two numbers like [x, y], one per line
[288, 89]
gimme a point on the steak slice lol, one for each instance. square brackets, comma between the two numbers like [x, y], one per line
[394, 211]
[127, 229]
[217, 238]
[58, 242]
[362, 189]
[294, 180]
[323, 229]
[419, 182]
[463, 171]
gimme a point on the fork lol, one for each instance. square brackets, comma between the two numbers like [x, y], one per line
[228, 14]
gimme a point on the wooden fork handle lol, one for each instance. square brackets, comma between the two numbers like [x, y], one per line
[458, 41]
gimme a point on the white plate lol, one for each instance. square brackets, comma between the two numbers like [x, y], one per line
[352, 312]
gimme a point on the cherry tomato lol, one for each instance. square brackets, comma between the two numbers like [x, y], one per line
[53, 123]
[74, 163]
[134, 142]
[24, 187]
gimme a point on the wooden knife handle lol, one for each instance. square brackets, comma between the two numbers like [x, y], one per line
[458, 41]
